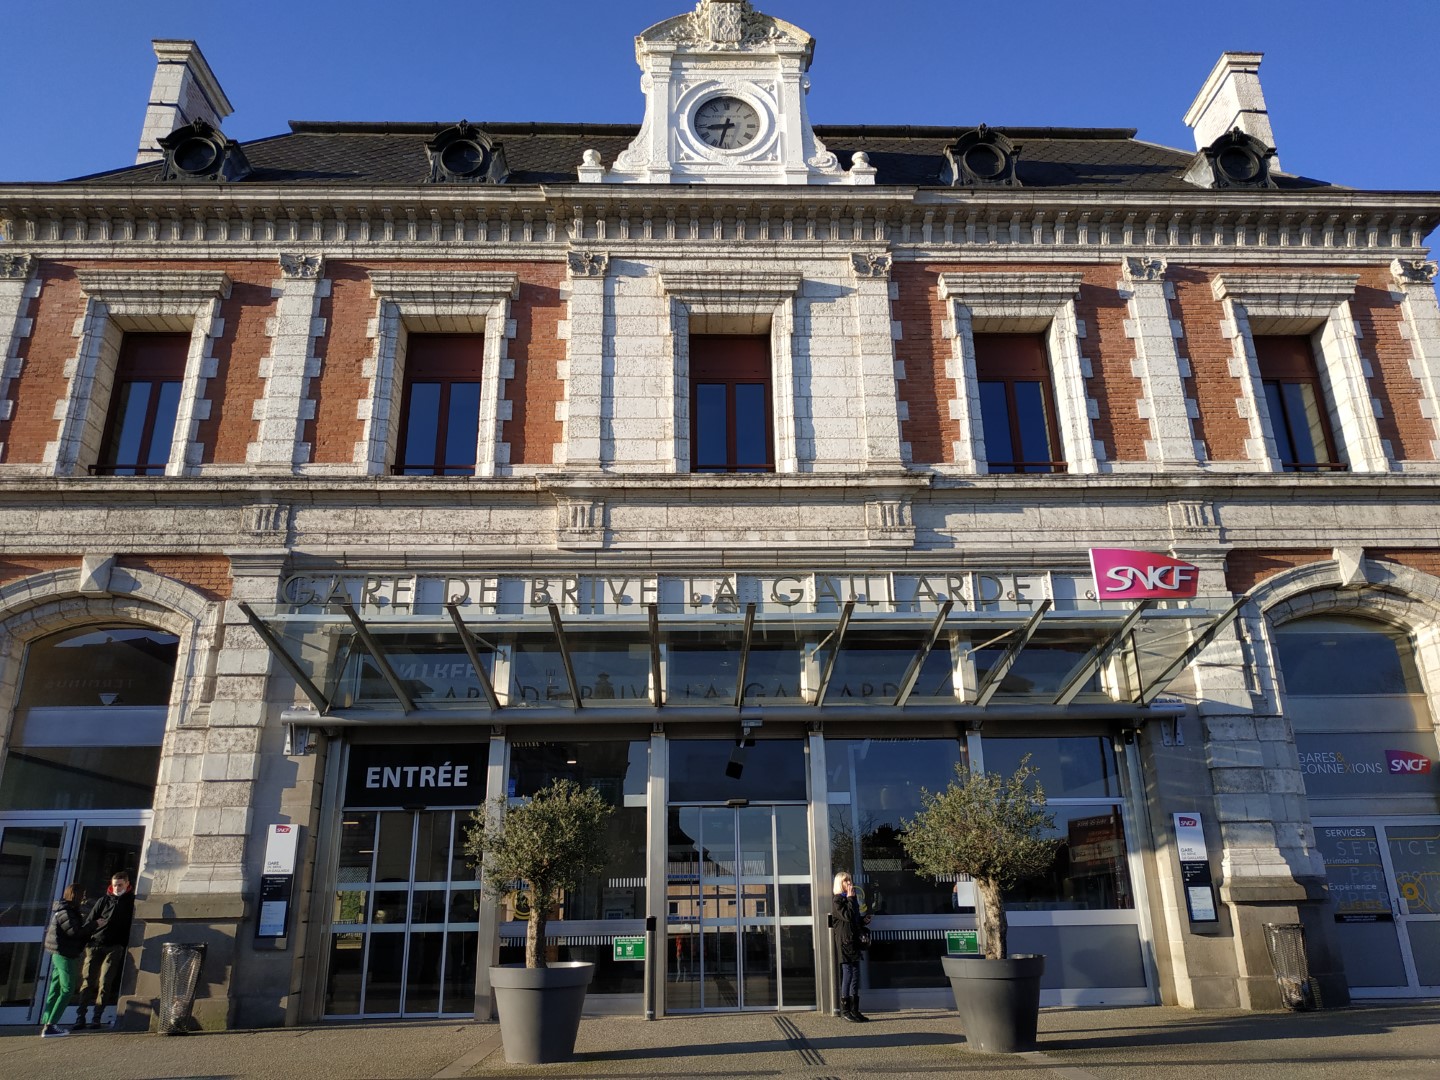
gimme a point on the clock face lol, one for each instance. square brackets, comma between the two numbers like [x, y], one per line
[727, 123]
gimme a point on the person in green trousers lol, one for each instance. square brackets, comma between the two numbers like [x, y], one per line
[65, 939]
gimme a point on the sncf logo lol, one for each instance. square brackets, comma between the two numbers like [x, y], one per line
[1188, 822]
[282, 828]
[1406, 762]
[1123, 574]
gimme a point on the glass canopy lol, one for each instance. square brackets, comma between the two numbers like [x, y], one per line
[443, 660]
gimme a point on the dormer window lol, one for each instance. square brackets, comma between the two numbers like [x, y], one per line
[1235, 160]
[199, 152]
[982, 158]
[464, 154]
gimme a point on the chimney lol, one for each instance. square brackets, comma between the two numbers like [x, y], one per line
[1231, 98]
[185, 90]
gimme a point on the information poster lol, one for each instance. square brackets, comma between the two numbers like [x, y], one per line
[1195, 869]
[1355, 873]
[277, 883]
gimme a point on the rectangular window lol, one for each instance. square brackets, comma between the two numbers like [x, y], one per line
[1017, 405]
[1296, 402]
[143, 404]
[440, 412]
[730, 420]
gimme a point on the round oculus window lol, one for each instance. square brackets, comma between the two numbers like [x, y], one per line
[985, 161]
[463, 157]
[196, 156]
[727, 123]
[1239, 163]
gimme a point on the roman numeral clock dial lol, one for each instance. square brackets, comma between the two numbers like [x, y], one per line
[727, 123]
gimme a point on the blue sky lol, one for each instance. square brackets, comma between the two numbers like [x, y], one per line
[1351, 98]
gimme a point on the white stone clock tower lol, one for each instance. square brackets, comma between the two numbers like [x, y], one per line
[725, 103]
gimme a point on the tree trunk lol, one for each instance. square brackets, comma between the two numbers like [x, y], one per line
[535, 934]
[995, 924]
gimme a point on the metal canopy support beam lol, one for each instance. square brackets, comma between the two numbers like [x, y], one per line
[838, 638]
[468, 640]
[656, 698]
[559, 626]
[912, 674]
[292, 668]
[1100, 655]
[372, 646]
[986, 690]
[740, 672]
[1200, 644]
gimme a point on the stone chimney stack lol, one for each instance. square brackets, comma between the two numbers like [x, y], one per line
[1231, 98]
[185, 90]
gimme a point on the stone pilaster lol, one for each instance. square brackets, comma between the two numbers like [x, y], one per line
[292, 363]
[1415, 281]
[875, 348]
[587, 357]
[18, 286]
[1158, 364]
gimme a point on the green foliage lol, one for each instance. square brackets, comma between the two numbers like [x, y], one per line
[990, 827]
[551, 842]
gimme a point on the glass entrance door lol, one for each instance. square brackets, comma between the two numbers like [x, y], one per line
[1384, 877]
[38, 858]
[739, 909]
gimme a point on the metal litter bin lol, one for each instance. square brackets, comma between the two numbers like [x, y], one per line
[179, 978]
[1285, 943]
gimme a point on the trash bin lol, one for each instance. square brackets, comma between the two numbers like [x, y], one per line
[1286, 944]
[179, 977]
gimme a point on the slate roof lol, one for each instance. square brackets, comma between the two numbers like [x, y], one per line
[385, 154]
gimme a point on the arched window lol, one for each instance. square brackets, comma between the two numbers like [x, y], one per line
[1336, 656]
[90, 720]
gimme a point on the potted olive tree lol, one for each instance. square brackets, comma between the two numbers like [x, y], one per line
[549, 843]
[992, 828]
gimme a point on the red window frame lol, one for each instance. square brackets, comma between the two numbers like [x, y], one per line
[156, 360]
[448, 360]
[1290, 379]
[1012, 360]
[730, 362]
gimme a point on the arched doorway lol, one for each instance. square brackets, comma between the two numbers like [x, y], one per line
[77, 783]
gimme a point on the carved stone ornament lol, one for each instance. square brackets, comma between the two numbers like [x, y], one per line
[869, 265]
[1414, 271]
[588, 263]
[726, 24]
[301, 266]
[1145, 268]
[16, 266]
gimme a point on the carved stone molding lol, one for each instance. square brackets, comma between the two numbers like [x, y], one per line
[725, 24]
[1145, 268]
[588, 263]
[174, 288]
[268, 519]
[870, 265]
[1194, 521]
[16, 266]
[889, 522]
[301, 266]
[581, 522]
[1414, 271]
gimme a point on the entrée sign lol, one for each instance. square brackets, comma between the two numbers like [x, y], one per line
[724, 593]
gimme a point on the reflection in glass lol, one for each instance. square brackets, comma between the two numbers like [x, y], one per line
[100, 667]
[762, 975]
[797, 963]
[422, 973]
[771, 769]
[1079, 767]
[342, 991]
[1090, 871]
[357, 846]
[1042, 666]
[397, 829]
[29, 856]
[385, 975]
[1327, 656]
[80, 778]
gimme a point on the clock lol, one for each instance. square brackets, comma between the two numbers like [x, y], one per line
[726, 123]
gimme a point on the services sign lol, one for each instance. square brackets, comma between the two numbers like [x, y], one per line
[1125, 574]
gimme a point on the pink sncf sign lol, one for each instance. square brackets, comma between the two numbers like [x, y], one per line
[1123, 574]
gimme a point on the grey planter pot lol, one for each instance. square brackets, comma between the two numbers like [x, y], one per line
[540, 1010]
[998, 1000]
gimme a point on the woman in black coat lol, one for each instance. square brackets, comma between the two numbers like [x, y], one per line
[848, 925]
[65, 939]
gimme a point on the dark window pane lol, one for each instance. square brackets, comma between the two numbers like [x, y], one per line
[710, 426]
[422, 426]
[129, 425]
[100, 666]
[461, 953]
[422, 983]
[385, 976]
[80, 778]
[1032, 423]
[1279, 422]
[752, 445]
[1077, 767]
[1302, 412]
[995, 416]
[703, 771]
[162, 428]
[342, 992]
[462, 428]
[1329, 657]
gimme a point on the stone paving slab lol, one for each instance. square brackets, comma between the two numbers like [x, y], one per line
[1393, 1041]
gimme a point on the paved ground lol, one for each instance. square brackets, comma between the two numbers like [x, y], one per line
[1396, 1042]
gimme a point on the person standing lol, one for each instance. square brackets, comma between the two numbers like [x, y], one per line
[849, 924]
[65, 939]
[104, 958]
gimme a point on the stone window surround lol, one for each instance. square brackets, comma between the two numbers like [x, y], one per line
[736, 302]
[1302, 303]
[137, 301]
[437, 302]
[1010, 303]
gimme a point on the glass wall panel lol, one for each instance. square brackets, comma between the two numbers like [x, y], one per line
[1090, 869]
[702, 667]
[1069, 767]
[883, 779]
[1328, 657]
[704, 770]
[100, 667]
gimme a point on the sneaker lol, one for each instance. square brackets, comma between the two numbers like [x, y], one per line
[81, 1025]
[51, 1031]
